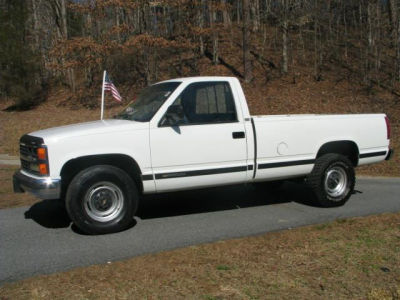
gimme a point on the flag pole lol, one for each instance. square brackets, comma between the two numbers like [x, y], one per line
[102, 96]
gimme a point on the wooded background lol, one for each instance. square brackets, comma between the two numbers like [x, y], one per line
[47, 43]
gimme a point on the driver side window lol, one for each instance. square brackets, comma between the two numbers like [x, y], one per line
[206, 103]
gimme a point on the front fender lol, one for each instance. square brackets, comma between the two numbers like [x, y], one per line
[133, 144]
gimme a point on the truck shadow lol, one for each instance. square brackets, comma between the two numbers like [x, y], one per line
[52, 213]
[221, 198]
[49, 214]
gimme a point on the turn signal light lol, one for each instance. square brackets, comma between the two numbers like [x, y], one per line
[43, 169]
[41, 153]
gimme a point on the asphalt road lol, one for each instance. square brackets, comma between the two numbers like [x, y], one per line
[40, 239]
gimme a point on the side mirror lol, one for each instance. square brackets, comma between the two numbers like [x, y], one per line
[174, 115]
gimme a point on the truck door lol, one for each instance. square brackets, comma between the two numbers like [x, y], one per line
[199, 142]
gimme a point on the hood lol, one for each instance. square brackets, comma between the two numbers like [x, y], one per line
[88, 128]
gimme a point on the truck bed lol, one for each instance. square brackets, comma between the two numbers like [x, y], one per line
[296, 139]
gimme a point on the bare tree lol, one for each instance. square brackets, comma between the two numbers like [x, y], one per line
[60, 14]
[214, 35]
[248, 75]
[285, 29]
[145, 40]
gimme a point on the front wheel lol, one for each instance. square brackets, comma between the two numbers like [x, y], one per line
[102, 199]
[332, 180]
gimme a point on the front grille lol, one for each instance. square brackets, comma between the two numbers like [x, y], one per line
[28, 155]
[25, 165]
[28, 158]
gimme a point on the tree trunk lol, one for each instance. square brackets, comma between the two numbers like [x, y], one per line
[398, 50]
[39, 76]
[370, 44]
[316, 64]
[214, 34]
[284, 29]
[238, 12]
[248, 76]
[377, 39]
[117, 22]
[60, 14]
[200, 13]
[285, 46]
[255, 14]
[345, 33]
[225, 14]
[395, 33]
[393, 20]
[35, 4]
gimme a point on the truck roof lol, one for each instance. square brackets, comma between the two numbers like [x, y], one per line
[201, 78]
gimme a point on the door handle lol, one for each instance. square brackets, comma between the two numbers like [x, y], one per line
[238, 135]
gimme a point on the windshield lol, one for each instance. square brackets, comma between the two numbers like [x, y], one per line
[148, 102]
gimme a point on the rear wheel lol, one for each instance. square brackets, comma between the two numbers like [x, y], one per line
[332, 180]
[102, 199]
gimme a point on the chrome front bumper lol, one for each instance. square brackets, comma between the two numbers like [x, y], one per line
[43, 188]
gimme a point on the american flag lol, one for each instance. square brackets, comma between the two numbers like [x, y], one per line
[109, 86]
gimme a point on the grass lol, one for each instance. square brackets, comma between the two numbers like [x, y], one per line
[355, 258]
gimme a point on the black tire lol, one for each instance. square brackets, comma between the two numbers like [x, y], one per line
[332, 180]
[102, 199]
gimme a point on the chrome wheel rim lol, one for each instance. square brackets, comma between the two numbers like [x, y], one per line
[104, 201]
[336, 182]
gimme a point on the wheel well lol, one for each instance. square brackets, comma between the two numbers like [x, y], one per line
[346, 148]
[124, 162]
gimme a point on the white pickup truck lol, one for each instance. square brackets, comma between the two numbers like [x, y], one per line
[192, 133]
